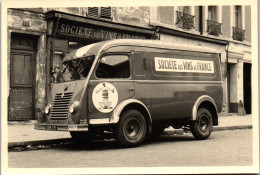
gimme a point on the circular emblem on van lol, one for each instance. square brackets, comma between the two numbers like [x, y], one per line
[105, 97]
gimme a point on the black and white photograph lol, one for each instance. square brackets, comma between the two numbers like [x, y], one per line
[119, 87]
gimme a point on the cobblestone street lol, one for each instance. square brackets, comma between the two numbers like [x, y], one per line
[223, 148]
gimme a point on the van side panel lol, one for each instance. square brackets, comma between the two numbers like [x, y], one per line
[171, 95]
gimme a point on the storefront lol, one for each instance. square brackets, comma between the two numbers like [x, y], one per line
[43, 51]
[38, 41]
[67, 32]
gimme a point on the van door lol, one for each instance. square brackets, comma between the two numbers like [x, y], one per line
[110, 83]
[154, 93]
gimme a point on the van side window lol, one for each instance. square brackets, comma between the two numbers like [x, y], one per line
[113, 66]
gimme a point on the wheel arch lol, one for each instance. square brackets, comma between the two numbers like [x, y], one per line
[207, 102]
[131, 104]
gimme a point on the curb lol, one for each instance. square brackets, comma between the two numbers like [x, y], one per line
[216, 128]
[37, 142]
[167, 132]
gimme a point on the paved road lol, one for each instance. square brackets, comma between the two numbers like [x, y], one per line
[224, 148]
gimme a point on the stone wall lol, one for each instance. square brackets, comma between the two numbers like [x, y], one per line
[137, 16]
[40, 90]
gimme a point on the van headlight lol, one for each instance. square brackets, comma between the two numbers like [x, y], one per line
[47, 109]
[73, 107]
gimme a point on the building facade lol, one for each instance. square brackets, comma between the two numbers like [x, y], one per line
[38, 39]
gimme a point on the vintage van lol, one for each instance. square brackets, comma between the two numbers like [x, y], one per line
[132, 88]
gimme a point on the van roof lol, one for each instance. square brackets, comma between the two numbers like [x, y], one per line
[93, 49]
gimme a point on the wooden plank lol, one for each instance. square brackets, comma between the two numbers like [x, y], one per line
[21, 69]
[21, 104]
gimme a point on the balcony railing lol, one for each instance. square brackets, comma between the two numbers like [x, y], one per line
[184, 21]
[214, 28]
[238, 34]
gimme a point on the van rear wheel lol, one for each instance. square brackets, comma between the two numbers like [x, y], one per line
[131, 128]
[202, 127]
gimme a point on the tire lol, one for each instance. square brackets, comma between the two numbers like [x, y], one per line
[82, 136]
[131, 128]
[202, 127]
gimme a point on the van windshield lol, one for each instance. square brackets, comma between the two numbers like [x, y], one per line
[75, 69]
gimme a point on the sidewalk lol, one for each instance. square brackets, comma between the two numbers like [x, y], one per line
[23, 133]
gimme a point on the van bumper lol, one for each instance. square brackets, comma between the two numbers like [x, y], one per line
[61, 127]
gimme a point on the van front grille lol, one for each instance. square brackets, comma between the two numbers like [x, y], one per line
[60, 106]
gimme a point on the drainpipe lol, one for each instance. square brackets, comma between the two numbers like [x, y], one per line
[226, 62]
[200, 20]
[53, 51]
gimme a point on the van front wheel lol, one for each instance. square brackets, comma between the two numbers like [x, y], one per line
[131, 128]
[202, 127]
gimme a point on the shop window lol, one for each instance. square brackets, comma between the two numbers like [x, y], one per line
[100, 12]
[75, 45]
[113, 66]
[57, 58]
[213, 26]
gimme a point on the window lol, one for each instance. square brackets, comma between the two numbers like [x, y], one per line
[238, 16]
[238, 32]
[100, 12]
[185, 9]
[212, 13]
[113, 66]
[213, 26]
[74, 69]
[184, 18]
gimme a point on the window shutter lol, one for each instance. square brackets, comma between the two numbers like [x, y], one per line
[197, 18]
[226, 20]
[165, 14]
[93, 11]
[105, 12]
[248, 23]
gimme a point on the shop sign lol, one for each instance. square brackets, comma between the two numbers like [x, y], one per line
[88, 32]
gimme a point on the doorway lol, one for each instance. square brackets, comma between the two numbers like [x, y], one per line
[247, 87]
[22, 77]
